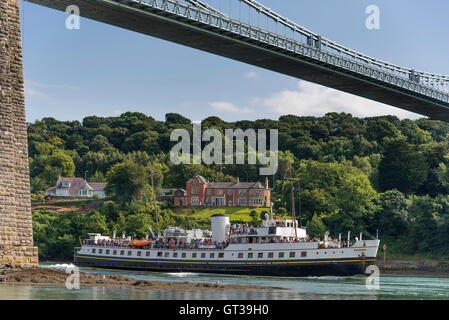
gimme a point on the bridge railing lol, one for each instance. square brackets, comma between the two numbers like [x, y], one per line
[204, 18]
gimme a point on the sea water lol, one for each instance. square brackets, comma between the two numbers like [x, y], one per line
[392, 287]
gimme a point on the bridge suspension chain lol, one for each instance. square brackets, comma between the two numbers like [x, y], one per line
[314, 39]
[422, 75]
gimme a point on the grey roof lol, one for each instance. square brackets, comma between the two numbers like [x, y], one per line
[182, 190]
[200, 178]
[78, 184]
[228, 185]
[98, 186]
[236, 185]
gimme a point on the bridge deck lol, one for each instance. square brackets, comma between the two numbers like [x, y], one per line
[211, 39]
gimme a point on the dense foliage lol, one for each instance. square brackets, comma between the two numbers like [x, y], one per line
[381, 175]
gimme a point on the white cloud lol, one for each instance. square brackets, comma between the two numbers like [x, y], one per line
[34, 93]
[228, 107]
[314, 100]
[37, 84]
[251, 75]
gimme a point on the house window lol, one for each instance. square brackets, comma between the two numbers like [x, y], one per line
[122, 252]
[219, 192]
[270, 254]
[209, 192]
[66, 184]
[139, 253]
[166, 254]
[100, 251]
[250, 255]
[130, 253]
[83, 192]
[203, 255]
[281, 255]
[195, 191]
[240, 255]
[230, 192]
[242, 201]
[183, 255]
[93, 250]
[303, 253]
[221, 255]
[159, 254]
[260, 255]
[175, 254]
[242, 191]
[194, 200]
[114, 252]
[148, 253]
[107, 251]
[292, 254]
[212, 255]
[255, 201]
[194, 255]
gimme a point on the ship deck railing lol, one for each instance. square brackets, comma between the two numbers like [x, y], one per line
[171, 247]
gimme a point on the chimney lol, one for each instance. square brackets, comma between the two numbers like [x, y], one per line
[266, 182]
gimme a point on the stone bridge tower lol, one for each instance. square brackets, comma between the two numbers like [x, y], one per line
[16, 234]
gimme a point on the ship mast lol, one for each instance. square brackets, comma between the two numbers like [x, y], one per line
[155, 205]
[293, 202]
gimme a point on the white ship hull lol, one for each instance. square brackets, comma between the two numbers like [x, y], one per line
[295, 259]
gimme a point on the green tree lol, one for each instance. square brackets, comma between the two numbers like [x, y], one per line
[63, 162]
[125, 181]
[138, 224]
[316, 227]
[392, 218]
[403, 167]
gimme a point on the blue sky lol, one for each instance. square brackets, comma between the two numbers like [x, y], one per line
[104, 70]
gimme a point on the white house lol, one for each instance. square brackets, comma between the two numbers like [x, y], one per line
[76, 188]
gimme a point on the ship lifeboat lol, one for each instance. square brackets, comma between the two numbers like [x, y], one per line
[140, 243]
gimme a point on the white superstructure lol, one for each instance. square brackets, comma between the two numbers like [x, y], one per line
[274, 248]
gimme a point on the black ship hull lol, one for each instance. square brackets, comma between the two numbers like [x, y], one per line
[291, 268]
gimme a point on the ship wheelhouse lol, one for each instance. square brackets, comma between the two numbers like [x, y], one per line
[270, 231]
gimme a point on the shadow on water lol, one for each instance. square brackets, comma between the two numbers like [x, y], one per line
[102, 293]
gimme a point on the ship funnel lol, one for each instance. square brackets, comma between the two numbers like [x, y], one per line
[219, 223]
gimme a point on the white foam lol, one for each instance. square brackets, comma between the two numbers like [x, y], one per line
[62, 266]
[328, 278]
[182, 274]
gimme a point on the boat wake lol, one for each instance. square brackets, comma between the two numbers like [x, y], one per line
[329, 278]
[62, 266]
[182, 274]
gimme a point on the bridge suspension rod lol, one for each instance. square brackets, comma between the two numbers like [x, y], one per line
[425, 76]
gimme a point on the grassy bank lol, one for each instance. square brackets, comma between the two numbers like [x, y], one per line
[235, 214]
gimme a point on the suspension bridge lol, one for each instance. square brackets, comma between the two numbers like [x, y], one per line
[248, 31]
[243, 30]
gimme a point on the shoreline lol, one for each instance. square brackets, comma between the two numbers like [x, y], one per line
[41, 276]
[428, 268]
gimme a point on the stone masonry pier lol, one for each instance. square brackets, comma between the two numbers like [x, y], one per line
[16, 234]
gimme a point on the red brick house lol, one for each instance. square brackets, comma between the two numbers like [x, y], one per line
[201, 192]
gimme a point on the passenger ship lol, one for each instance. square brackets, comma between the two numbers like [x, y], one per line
[276, 248]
